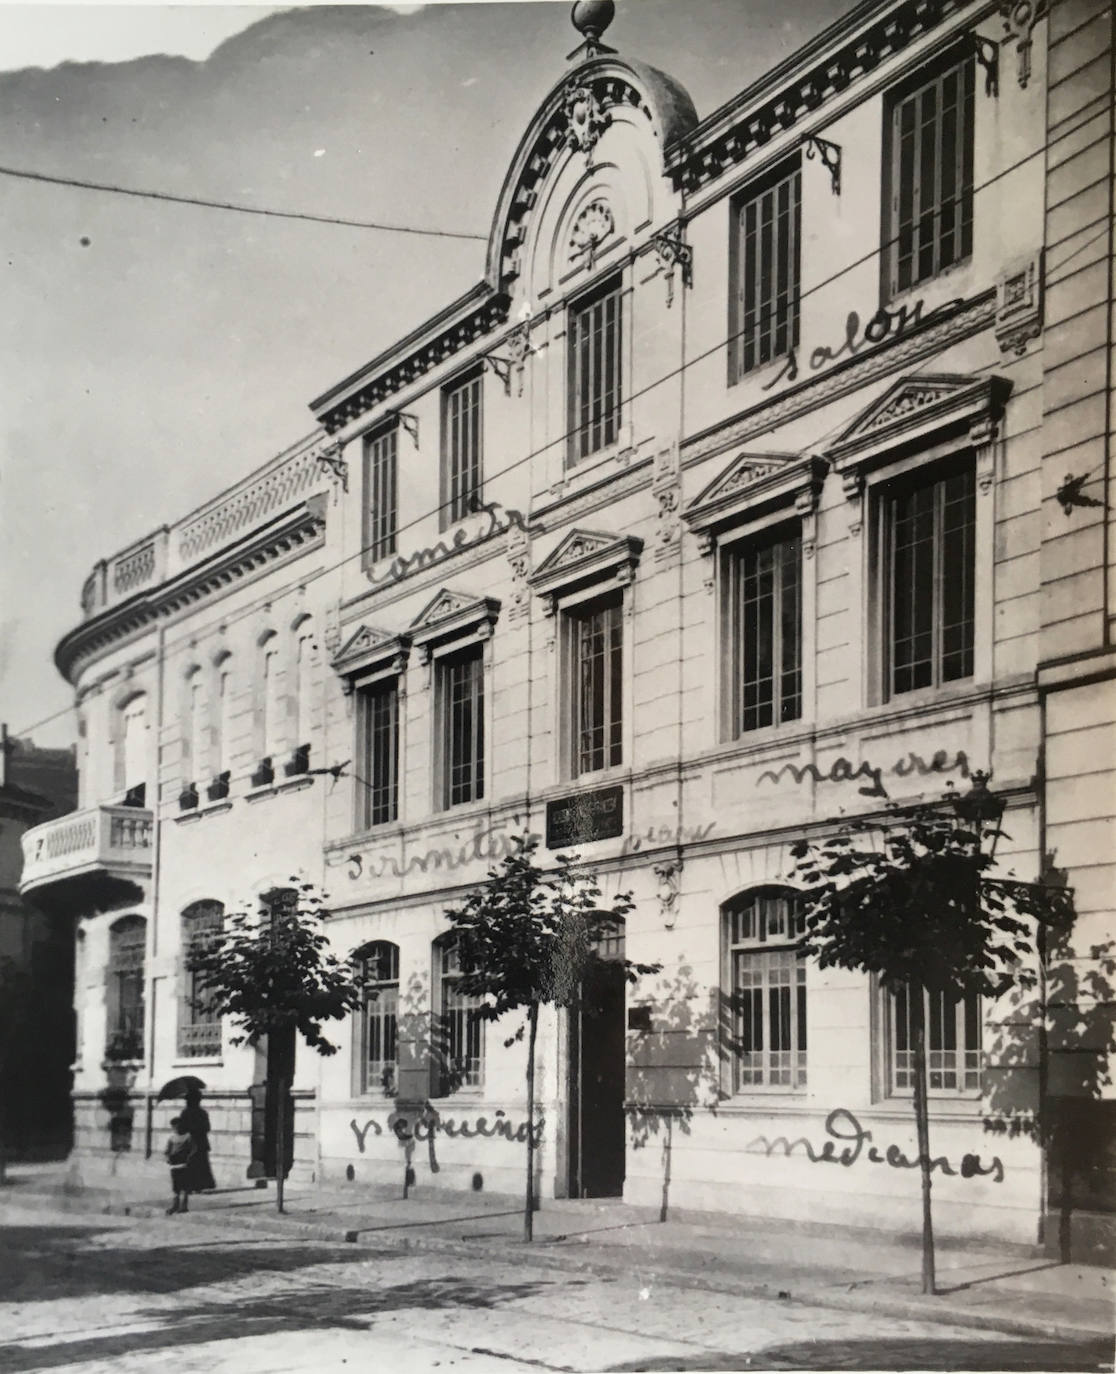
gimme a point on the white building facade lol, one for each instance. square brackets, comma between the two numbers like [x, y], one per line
[760, 482]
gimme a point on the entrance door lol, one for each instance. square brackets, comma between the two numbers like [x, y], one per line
[597, 1085]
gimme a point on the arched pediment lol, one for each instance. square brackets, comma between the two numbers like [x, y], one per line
[601, 132]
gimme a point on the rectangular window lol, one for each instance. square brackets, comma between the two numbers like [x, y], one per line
[378, 784]
[953, 1042]
[768, 232]
[929, 528]
[767, 632]
[594, 374]
[381, 495]
[461, 682]
[380, 1019]
[462, 419]
[460, 1057]
[930, 226]
[125, 976]
[598, 681]
[768, 993]
[199, 1024]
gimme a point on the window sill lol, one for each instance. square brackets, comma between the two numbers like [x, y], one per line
[198, 1062]
[203, 812]
[911, 295]
[916, 701]
[770, 369]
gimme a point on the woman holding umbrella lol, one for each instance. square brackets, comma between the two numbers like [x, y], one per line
[194, 1122]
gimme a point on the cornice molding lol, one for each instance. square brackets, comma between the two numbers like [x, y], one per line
[753, 482]
[585, 556]
[289, 535]
[452, 615]
[370, 648]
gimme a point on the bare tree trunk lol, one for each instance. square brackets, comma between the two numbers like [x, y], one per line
[529, 1206]
[922, 1125]
[668, 1141]
[280, 1139]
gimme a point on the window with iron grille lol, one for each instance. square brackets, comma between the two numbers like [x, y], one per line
[378, 726]
[379, 1018]
[125, 1022]
[199, 1024]
[767, 983]
[929, 529]
[953, 1042]
[597, 640]
[594, 343]
[765, 272]
[462, 428]
[930, 224]
[461, 706]
[458, 1061]
[766, 611]
[381, 493]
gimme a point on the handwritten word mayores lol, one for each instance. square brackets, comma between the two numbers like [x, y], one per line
[842, 770]
[500, 520]
[427, 1126]
[491, 844]
[884, 324]
[841, 1125]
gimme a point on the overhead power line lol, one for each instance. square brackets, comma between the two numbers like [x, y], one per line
[25, 175]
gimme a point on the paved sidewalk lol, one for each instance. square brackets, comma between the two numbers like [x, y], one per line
[1010, 1289]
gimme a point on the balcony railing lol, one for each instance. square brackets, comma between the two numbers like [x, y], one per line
[111, 839]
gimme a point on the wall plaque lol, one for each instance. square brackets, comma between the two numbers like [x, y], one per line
[585, 817]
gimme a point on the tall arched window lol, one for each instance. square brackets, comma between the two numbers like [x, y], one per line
[306, 663]
[270, 719]
[125, 988]
[196, 726]
[133, 754]
[224, 715]
[379, 1018]
[767, 990]
[458, 1059]
[199, 1025]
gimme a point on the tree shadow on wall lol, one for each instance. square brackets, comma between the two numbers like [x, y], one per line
[1046, 1072]
[680, 1037]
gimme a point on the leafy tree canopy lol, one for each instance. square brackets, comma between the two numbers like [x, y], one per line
[271, 969]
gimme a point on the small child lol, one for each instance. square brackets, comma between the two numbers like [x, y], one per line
[179, 1152]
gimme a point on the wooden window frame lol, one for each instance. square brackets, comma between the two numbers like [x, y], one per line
[380, 1076]
[381, 493]
[588, 437]
[767, 329]
[446, 1079]
[462, 469]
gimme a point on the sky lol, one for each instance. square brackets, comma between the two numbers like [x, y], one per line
[152, 353]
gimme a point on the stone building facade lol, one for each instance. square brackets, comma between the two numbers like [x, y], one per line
[759, 482]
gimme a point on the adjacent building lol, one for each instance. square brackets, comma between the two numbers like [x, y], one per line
[761, 481]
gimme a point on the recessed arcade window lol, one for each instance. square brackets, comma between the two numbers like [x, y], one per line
[594, 337]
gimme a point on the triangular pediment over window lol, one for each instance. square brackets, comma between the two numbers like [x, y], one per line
[752, 483]
[919, 409]
[587, 556]
[368, 648]
[450, 614]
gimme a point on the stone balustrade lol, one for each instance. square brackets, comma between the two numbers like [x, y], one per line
[113, 839]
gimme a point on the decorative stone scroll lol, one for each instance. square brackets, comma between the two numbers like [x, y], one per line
[586, 118]
[1019, 305]
[1020, 18]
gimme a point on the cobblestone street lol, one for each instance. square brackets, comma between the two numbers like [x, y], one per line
[94, 1293]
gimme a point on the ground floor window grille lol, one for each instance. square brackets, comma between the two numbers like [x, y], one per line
[459, 1057]
[199, 1024]
[953, 1042]
[127, 945]
[379, 1018]
[767, 992]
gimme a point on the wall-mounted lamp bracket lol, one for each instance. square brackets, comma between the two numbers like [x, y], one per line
[987, 53]
[830, 155]
[332, 462]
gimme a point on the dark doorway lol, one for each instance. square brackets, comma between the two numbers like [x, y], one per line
[597, 1084]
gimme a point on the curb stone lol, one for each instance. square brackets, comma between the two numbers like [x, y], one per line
[846, 1299]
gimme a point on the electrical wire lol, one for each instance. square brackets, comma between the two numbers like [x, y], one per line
[227, 620]
[25, 175]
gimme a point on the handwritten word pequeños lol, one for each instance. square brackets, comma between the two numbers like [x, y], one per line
[426, 1126]
[841, 1125]
[842, 770]
[884, 324]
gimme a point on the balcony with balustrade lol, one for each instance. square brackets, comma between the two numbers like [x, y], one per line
[100, 856]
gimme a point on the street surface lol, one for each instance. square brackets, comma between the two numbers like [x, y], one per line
[138, 1296]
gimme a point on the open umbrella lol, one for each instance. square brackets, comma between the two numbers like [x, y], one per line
[179, 1087]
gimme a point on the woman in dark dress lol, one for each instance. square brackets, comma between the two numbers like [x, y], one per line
[194, 1120]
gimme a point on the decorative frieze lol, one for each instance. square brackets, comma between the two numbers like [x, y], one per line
[1019, 304]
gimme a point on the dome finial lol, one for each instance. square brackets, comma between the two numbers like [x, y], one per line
[590, 18]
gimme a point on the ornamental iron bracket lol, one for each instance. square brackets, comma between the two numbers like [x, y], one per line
[830, 155]
[672, 252]
[519, 349]
[332, 462]
[987, 53]
[1020, 18]
[408, 422]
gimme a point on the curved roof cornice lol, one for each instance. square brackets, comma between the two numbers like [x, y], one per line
[559, 124]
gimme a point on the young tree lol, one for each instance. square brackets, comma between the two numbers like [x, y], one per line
[528, 937]
[271, 971]
[912, 902]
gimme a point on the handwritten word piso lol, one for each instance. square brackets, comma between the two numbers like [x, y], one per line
[884, 324]
[430, 1124]
[491, 844]
[842, 770]
[654, 836]
[500, 520]
[841, 1125]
